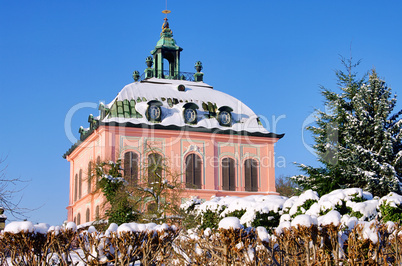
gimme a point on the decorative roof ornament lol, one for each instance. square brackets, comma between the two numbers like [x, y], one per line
[136, 75]
[165, 25]
[149, 61]
[198, 66]
[199, 76]
[166, 36]
[166, 31]
[149, 71]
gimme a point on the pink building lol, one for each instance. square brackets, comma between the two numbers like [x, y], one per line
[215, 140]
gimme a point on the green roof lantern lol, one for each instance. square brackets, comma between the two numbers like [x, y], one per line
[166, 48]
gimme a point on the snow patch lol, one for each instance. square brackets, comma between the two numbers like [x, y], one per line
[230, 223]
[17, 227]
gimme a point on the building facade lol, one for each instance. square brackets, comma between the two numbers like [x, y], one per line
[212, 138]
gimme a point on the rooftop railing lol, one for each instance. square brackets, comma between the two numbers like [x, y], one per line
[189, 76]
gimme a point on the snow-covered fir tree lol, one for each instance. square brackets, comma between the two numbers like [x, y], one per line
[357, 139]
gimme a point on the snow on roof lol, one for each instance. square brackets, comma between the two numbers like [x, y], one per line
[244, 119]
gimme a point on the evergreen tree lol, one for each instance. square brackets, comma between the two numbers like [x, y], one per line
[357, 139]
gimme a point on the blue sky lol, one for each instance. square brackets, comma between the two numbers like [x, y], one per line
[272, 55]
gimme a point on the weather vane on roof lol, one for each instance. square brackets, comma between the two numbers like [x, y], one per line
[166, 11]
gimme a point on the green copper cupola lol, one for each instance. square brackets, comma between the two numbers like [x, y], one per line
[166, 48]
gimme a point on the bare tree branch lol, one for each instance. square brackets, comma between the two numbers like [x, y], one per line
[9, 189]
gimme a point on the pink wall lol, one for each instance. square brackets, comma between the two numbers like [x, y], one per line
[111, 142]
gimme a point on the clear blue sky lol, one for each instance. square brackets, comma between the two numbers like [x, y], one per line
[272, 55]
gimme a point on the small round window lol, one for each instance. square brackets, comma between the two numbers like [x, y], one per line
[190, 113]
[225, 118]
[190, 116]
[154, 112]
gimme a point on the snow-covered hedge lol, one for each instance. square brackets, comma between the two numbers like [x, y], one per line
[303, 239]
[342, 206]
[346, 226]
[302, 242]
[23, 243]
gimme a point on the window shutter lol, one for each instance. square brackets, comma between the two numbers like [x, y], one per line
[134, 167]
[98, 161]
[87, 216]
[247, 175]
[75, 187]
[80, 184]
[254, 175]
[225, 173]
[232, 177]
[126, 166]
[189, 171]
[197, 171]
[131, 167]
[89, 176]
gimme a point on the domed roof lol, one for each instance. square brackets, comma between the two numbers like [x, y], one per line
[136, 98]
[172, 92]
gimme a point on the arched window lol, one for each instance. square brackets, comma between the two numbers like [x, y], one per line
[251, 174]
[228, 174]
[75, 220]
[154, 167]
[193, 171]
[87, 217]
[80, 184]
[78, 218]
[75, 187]
[166, 66]
[89, 176]
[97, 212]
[131, 167]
